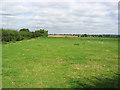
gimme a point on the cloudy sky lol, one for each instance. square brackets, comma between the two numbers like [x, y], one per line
[61, 16]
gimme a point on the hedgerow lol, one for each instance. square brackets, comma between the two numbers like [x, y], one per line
[12, 35]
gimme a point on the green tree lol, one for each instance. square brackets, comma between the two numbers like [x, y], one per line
[84, 35]
[24, 29]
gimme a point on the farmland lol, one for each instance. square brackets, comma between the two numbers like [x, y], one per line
[60, 62]
[61, 36]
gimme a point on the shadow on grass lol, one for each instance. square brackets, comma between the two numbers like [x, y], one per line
[98, 83]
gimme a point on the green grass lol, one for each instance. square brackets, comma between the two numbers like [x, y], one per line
[67, 62]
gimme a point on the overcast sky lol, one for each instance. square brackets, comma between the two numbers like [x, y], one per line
[63, 16]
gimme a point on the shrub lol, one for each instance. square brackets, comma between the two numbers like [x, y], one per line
[84, 35]
[12, 35]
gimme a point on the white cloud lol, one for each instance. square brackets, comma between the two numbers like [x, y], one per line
[59, 0]
[60, 17]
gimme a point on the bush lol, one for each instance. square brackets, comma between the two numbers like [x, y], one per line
[12, 35]
[84, 35]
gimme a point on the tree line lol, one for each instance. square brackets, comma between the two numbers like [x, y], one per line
[90, 35]
[102, 35]
[12, 35]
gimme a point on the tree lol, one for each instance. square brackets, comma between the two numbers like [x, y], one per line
[84, 35]
[24, 29]
[99, 35]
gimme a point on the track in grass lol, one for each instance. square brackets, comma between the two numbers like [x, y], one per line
[66, 62]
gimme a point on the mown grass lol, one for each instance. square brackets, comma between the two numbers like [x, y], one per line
[67, 62]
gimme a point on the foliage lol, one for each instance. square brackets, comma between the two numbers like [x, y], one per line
[12, 35]
[24, 29]
[84, 35]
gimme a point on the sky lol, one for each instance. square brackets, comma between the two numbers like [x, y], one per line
[61, 16]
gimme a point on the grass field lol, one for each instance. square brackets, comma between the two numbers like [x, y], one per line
[66, 62]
